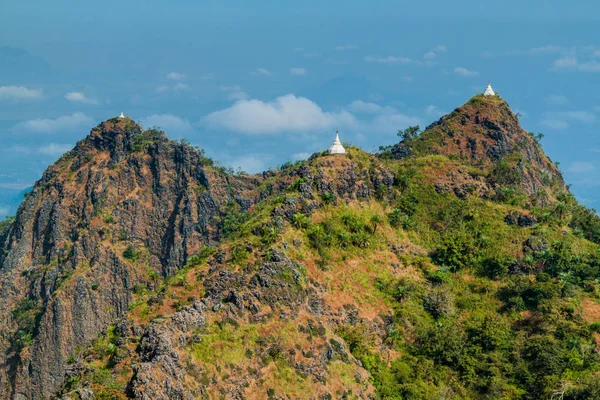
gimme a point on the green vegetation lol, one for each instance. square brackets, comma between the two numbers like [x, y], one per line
[26, 315]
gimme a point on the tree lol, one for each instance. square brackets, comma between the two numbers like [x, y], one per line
[375, 222]
[409, 133]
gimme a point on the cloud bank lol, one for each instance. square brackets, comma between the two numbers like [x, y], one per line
[292, 114]
[66, 123]
[15, 93]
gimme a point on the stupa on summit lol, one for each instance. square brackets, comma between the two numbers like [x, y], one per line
[122, 115]
[489, 91]
[336, 147]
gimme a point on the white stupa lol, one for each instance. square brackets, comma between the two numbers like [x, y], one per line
[337, 147]
[122, 115]
[489, 91]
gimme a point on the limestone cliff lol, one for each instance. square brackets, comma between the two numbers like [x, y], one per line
[63, 275]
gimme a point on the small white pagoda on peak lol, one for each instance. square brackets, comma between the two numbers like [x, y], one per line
[489, 91]
[337, 147]
[122, 115]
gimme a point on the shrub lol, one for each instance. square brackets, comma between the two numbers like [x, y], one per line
[130, 253]
[300, 220]
[439, 301]
[496, 266]
[328, 197]
[456, 251]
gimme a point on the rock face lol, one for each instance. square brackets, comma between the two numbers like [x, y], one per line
[140, 245]
[121, 197]
[485, 133]
[64, 277]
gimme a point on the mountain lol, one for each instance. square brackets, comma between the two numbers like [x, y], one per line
[454, 264]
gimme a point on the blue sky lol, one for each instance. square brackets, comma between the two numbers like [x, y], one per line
[257, 86]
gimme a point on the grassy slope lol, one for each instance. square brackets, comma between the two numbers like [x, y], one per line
[473, 307]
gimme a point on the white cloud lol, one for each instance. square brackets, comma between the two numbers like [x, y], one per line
[291, 114]
[170, 123]
[555, 124]
[4, 211]
[389, 60]
[360, 106]
[162, 88]
[249, 163]
[579, 116]
[208, 77]
[181, 87]
[565, 62]
[262, 71]
[563, 119]
[297, 71]
[590, 66]
[238, 96]
[573, 64]
[301, 156]
[72, 122]
[434, 111]
[430, 55]
[580, 167]
[546, 50]
[54, 149]
[346, 47]
[391, 121]
[15, 185]
[79, 97]
[234, 92]
[556, 99]
[596, 53]
[51, 149]
[440, 49]
[175, 76]
[285, 113]
[15, 93]
[461, 71]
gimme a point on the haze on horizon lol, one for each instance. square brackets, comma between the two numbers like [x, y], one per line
[259, 86]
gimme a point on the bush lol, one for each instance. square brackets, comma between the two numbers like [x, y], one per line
[456, 251]
[300, 221]
[496, 266]
[130, 253]
[328, 197]
[439, 301]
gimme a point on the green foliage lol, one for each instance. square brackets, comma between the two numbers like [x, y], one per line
[409, 133]
[456, 251]
[584, 221]
[6, 223]
[300, 221]
[200, 258]
[521, 292]
[27, 316]
[233, 219]
[131, 253]
[505, 173]
[142, 141]
[328, 197]
[439, 301]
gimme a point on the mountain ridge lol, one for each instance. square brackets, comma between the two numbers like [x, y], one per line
[137, 268]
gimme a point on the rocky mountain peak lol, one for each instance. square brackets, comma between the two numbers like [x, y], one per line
[485, 133]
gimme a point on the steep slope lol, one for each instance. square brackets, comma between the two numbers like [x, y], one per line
[65, 273]
[486, 134]
[137, 269]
